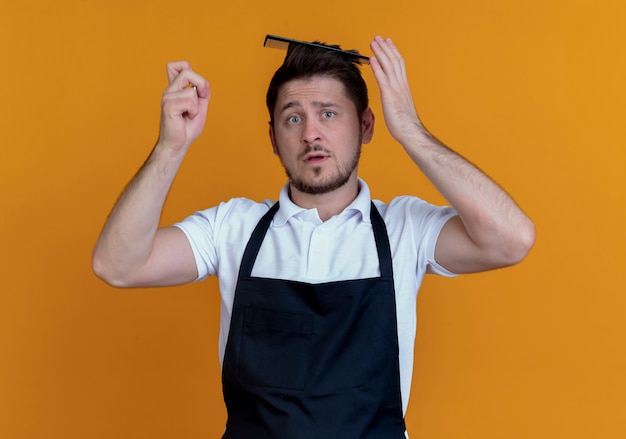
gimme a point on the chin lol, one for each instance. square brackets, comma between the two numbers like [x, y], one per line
[320, 187]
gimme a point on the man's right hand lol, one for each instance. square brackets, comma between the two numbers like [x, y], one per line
[183, 107]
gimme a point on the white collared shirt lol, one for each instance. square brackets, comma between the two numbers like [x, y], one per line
[300, 246]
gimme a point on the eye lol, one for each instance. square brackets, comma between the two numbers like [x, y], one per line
[294, 119]
[328, 114]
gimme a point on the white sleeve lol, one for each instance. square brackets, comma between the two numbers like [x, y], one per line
[413, 219]
[218, 235]
[200, 231]
[442, 216]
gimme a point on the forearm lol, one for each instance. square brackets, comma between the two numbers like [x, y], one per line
[491, 218]
[128, 236]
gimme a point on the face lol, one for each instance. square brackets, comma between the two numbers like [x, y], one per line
[318, 135]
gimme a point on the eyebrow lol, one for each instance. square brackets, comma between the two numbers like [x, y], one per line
[318, 104]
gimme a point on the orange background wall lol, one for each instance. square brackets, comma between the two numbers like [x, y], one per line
[532, 91]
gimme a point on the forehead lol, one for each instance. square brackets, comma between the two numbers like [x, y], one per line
[315, 88]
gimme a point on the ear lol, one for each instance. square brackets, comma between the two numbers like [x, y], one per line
[367, 125]
[272, 138]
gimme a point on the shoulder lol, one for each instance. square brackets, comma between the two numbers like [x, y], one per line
[409, 215]
[235, 208]
[409, 207]
[217, 235]
[413, 228]
[234, 214]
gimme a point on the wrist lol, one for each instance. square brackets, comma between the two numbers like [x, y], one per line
[414, 133]
[165, 159]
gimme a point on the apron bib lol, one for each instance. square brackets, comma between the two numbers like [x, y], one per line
[313, 361]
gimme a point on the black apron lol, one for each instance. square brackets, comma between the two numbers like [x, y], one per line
[313, 361]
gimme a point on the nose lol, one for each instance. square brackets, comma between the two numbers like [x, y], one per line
[310, 131]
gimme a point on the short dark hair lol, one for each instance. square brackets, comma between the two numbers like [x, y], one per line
[304, 62]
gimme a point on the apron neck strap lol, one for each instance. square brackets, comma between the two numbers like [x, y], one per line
[378, 227]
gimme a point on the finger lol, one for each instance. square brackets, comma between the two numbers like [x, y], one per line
[381, 64]
[203, 88]
[387, 46]
[378, 71]
[391, 49]
[177, 104]
[382, 56]
[190, 101]
[187, 78]
[176, 68]
[389, 58]
[398, 59]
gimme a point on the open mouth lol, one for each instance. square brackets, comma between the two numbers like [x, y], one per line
[315, 158]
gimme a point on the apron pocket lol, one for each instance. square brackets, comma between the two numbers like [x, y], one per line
[275, 348]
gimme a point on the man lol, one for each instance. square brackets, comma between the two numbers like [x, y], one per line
[318, 290]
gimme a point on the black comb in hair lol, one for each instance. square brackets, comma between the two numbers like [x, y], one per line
[283, 43]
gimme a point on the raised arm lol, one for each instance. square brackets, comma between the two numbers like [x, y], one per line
[132, 250]
[491, 231]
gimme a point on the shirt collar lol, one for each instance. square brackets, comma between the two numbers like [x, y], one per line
[288, 209]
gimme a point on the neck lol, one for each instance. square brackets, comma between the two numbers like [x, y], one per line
[328, 204]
